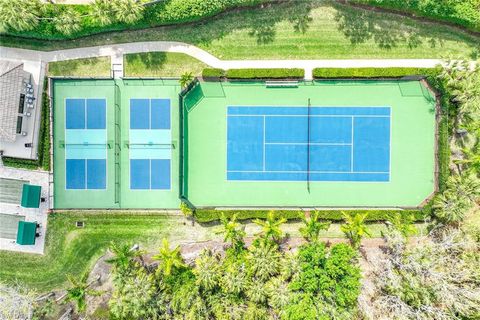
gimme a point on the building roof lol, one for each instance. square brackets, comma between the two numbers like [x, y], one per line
[11, 78]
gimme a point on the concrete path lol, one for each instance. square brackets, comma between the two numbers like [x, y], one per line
[118, 50]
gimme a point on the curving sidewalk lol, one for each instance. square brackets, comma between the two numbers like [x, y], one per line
[118, 50]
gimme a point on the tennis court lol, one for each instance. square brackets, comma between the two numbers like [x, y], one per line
[315, 144]
[308, 143]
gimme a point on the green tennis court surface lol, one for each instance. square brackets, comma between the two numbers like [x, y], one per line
[336, 143]
[117, 144]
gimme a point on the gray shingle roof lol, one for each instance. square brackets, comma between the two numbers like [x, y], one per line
[11, 78]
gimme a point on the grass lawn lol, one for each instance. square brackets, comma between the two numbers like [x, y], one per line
[161, 64]
[73, 250]
[297, 30]
[89, 67]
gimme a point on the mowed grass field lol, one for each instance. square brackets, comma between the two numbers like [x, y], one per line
[297, 30]
[89, 67]
[72, 250]
[161, 64]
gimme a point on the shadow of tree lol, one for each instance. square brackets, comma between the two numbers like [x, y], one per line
[360, 26]
[151, 60]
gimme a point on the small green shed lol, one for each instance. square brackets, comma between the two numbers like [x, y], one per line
[31, 196]
[26, 232]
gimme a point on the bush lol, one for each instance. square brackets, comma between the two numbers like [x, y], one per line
[465, 13]
[213, 73]
[157, 14]
[209, 215]
[265, 73]
[321, 73]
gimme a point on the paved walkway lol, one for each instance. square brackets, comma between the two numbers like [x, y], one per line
[119, 50]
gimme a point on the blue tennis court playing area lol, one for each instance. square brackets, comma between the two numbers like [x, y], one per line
[150, 144]
[308, 143]
[85, 143]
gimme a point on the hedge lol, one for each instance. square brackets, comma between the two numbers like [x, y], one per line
[213, 73]
[323, 73]
[265, 73]
[161, 13]
[43, 150]
[465, 13]
[209, 215]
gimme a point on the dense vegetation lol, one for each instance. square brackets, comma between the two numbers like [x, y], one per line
[32, 18]
[462, 12]
[349, 73]
[43, 149]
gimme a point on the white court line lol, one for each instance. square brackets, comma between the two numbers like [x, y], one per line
[351, 154]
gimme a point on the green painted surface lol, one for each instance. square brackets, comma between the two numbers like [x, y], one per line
[412, 145]
[118, 193]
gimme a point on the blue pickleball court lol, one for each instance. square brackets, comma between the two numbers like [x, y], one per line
[150, 144]
[308, 143]
[85, 143]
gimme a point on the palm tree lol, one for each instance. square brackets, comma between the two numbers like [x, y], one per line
[169, 259]
[79, 291]
[232, 232]
[67, 21]
[124, 255]
[312, 226]
[471, 159]
[19, 15]
[264, 261]
[185, 79]
[271, 227]
[128, 11]
[208, 270]
[450, 208]
[403, 224]
[103, 11]
[355, 228]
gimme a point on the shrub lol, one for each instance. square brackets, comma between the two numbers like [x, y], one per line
[321, 73]
[465, 13]
[213, 73]
[265, 73]
[209, 215]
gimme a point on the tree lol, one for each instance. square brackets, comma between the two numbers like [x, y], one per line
[264, 261]
[232, 232]
[79, 290]
[208, 270]
[169, 259]
[404, 224]
[471, 159]
[16, 302]
[185, 79]
[450, 208]
[19, 15]
[124, 255]
[103, 11]
[270, 227]
[355, 228]
[128, 11]
[67, 21]
[312, 226]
